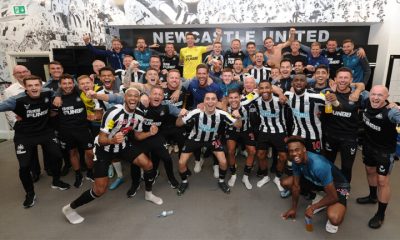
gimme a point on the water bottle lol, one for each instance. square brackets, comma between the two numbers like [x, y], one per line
[328, 105]
[309, 225]
[166, 213]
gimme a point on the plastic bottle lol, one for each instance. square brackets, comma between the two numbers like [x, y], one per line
[166, 213]
[328, 105]
[309, 225]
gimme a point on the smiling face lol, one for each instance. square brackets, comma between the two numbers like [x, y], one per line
[67, 85]
[285, 69]
[155, 63]
[249, 84]
[299, 84]
[295, 47]
[251, 49]
[268, 43]
[238, 66]
[343, 80]
[156, 96]
[152, 77]
[173, 80]
[20, 72]
[348, 48]
[202, 76]
[97, 65]
[378, 96]
[315, 50]
[33, 88]
[235, 46]
[107, 78]
[56, 71]
[298, 67]
[331, 46]
[234, 100]
[169, 49]
[259, 59]
[275, 74]
[210, 102]
[131, 98]
[227, 77]
[217, 48]
[85, 84]
[116, 45]
[127, 61]
[321, 76]
[265, 90]
[190, 40]
[141, 44]
[297, 152]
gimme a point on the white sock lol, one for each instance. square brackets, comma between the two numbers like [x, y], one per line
[118, 169]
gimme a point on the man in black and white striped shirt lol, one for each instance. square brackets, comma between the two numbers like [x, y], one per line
[272, 133]
[112, 143]
[206, 124]
[305, 108]
[259, 71]
[243, 135]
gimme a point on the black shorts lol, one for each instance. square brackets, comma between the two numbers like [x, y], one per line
[76, 138]
[191, 146]
[374, 158]
[342, 193]
[246, 137]
[275, 140]
[103, 159]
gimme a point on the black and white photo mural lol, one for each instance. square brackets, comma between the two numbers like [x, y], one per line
[59, 23]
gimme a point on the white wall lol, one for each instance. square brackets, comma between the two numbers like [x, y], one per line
[387, 36]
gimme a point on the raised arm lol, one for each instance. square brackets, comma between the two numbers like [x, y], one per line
[218, 31]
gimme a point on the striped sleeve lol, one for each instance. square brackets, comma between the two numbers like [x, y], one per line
[318, 98]
[109, 119]
[190, 115]
[226, 117]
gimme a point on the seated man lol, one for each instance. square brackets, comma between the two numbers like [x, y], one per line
[207, 122]
[316, 172]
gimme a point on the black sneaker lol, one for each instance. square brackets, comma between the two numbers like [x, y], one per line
[65, 170]
[188, 173]
[29, 200]
[132, 191]
[367, 200]
[78, 180]
[60, 185]
[35, 177]
[174, 183]
[182, 188]
[89, 175]
[224, 187]
[375, 222]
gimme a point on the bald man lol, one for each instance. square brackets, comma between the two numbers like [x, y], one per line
[380, 119]
[97, 65]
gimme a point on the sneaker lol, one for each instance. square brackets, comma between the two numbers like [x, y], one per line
[60, 185]
[216, 171]
[89, 175]
[182, 188]
[78, 180]
[246, 182]
[224, 187]
[132, 191]
[72, 216]
[263, 181]
[156, 175]
[232, 181]
[198, 165]
[285, 193]
[277, 182]
[149, 196]
[259, 173]
[318, 198]
[116, 183]
[367, 200]
[29, 200]
[330, 228]
[110, 171]
[375, 222]
[65, 170]
[176, 148]
[173, 183]
[188, 173]
[170, 149]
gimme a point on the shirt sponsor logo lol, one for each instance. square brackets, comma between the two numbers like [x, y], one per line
[21, 149]
[34, 113]
[371, 125]
[342, 114]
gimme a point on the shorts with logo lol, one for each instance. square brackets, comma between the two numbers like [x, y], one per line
[245, 137]
[275, 140]
[102, 159]
[383, 162]
[191, 146]
[76, 138]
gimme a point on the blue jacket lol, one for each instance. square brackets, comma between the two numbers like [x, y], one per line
[359, 66]
[144, 57]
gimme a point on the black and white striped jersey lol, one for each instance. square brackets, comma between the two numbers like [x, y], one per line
[272, 115]
[260, 74]
[244, 117]
[115, 120]
[305, 109]
[206, 127]
[240, 75]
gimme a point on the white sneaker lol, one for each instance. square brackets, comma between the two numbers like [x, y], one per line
[72, 216]
[317, 198]
[277, 182]
[216, 171]
[246, 182]
[149, 196]
[198, 165]
[232, 181]
[263, 181]
[176, 148]
[170, 149]
[330, 228]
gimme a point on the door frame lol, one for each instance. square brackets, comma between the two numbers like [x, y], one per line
[11, 57]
